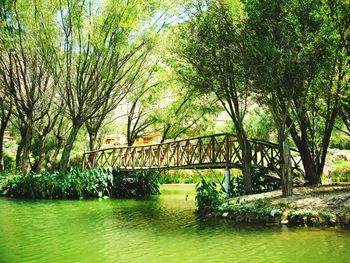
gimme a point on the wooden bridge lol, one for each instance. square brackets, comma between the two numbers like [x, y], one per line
[216, 151]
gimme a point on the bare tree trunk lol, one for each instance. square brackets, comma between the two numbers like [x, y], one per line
[247, 166]
[285, 162]
[5, 117]
[92, 144]
[2, 166]
[68, 147]
[26, 150]
[57, 151]
[246, 155]
[19, 154]
[39, 161]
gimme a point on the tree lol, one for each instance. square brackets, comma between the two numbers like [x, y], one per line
[99, 40]
[296, 64]
[25, 66]
[211, 50]
[185, 112]
[141, 102]
[6, 111]
[43, 128]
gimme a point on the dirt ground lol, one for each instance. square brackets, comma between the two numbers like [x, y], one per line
[335, 197]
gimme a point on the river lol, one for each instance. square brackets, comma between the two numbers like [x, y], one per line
[163, 228]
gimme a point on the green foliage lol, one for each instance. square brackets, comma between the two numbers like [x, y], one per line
[340, 141]
[208, 195]
[260, 183]
[9, 162]
[311, 217]
[259, 124]
[261, 207]
[293, 50]
[135, 184]
[97, 182]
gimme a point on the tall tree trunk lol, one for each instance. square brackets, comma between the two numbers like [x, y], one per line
[39, 161]
[20, 149]
[68, 147]
[5, 117]
[26, 150]
[247, 165]
[19, 154]
[2, 166]
[246, 156]
[92, 140]
[52, 161]
[310, 167]
[301, 142]
[285, 162]
[92, 145]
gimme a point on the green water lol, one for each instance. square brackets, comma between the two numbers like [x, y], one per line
[160, 229]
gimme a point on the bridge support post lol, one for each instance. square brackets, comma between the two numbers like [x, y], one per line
[227, 181]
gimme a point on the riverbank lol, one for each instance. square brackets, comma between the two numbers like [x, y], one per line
[309, 206]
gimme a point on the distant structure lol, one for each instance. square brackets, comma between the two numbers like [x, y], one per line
[7, 137]
[147, 139]
[112, 140]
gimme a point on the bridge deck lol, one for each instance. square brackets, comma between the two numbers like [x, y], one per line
[215, 151]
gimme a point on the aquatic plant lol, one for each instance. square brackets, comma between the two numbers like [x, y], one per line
[96, 182]
[208, 195]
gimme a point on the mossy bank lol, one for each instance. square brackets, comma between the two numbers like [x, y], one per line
[313, 207]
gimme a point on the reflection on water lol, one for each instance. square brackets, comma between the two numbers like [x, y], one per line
[160, 229]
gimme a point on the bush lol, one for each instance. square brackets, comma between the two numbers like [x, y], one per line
[208, 195]
[9, 162]
[97, 182]
[261, 182]
[340, 141]
[135, 184]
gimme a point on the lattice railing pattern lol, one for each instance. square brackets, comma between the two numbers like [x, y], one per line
[221, 150]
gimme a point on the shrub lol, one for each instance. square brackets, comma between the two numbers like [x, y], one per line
[260, 183]
[97, 182]
[208, 196]
[340, 141]
[9, 162]
[135, 184]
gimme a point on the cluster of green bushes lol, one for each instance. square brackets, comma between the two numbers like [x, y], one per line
[97, 182]
[210, 194]
[340, 141]
[261, 207]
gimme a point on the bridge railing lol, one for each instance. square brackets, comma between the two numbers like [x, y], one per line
[220, 150]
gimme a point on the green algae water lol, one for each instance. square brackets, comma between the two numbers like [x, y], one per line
[164, 228]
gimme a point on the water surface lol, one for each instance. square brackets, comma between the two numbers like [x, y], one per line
[160, 229]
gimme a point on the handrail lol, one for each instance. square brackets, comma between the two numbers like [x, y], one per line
[157, 144]
[275, 145]
[218, 150]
